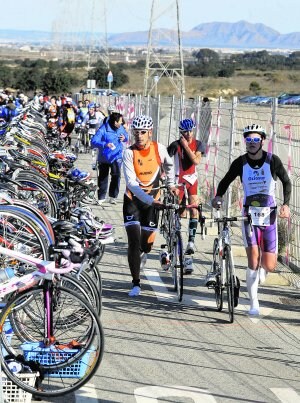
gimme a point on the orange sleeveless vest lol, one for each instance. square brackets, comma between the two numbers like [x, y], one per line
[147, 166]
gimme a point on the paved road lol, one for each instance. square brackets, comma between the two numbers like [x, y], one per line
[159, 350]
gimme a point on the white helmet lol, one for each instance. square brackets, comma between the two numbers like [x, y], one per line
[142, 122]
[254, 128]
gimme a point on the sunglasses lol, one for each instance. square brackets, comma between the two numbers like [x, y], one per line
[184, 131]
[253, 140]
[140, 131]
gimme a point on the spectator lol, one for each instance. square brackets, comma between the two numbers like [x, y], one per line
[68, 115]
[109, 140]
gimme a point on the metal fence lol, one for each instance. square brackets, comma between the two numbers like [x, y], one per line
[219, 125]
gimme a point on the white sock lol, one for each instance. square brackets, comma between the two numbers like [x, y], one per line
[252, 287]
[262, 275]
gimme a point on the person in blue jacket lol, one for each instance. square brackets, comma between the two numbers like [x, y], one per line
[109, 140]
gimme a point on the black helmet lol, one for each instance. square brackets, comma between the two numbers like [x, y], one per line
[64, 228]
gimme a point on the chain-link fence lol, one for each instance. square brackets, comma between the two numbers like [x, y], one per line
[219, 125]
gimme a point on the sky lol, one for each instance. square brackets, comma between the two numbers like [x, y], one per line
[134, 15]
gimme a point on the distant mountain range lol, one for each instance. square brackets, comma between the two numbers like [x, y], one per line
[240, 35]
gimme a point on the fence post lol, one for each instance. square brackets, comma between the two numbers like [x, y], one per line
[198, 114]
[230, 151]
[171, 118]
[273, 121]
[158, 118]
[218, 126]
[148, 105]
[138, 107]
[181, 108]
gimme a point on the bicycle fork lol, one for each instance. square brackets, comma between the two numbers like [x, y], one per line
[48, 289]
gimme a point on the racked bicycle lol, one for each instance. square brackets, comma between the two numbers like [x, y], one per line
[47, 330]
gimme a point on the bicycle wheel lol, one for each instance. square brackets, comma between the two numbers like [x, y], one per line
[216, 269]
[22, 234]
[179, 266]
[75, 350]
[176, 254]
[84, 286]
[229, 283]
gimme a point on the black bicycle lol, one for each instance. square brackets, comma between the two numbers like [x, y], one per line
[222, 277]
[170, 228]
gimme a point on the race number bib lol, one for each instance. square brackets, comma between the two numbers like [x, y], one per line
[260, 215]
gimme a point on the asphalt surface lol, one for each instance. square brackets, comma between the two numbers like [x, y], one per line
[160, 350]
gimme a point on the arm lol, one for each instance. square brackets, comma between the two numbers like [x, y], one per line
[97, 141]
[131, 180]
[123, 135]
[167, 163]
[194, 156]
[278, 169]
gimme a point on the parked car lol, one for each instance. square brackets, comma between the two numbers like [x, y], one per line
[101, 91]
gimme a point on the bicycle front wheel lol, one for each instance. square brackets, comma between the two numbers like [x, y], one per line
[229, 283]
[177, 265]
[74, 351]
[218, 287]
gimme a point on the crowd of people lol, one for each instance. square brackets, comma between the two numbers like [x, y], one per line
[143, 163]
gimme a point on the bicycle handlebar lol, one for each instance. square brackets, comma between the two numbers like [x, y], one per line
[175, 206]
[230, 219]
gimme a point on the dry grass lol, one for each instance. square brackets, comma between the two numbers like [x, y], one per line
[272, 83]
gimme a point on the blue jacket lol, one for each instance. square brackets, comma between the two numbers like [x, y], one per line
[104, 135]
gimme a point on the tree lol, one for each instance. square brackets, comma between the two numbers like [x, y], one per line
[56, 82]
[206, 56]
[28, 79]
[6, 77]
[254, 87]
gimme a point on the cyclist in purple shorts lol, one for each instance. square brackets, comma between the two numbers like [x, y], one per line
[258, 171]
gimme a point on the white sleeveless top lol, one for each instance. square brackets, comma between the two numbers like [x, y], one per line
[259, 185]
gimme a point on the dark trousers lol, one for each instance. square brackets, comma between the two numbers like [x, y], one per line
[114, 186]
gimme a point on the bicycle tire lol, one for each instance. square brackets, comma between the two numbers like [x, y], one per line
[91, 288]
[19, 231]
[229, 283]
[68, 281]
[51, 207]
[179, 265]
[33, 218]
[216, 268]
[56, 381]
[85, 287]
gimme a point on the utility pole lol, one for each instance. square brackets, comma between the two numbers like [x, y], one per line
[167, 63]
[85, 34]
[98, 47]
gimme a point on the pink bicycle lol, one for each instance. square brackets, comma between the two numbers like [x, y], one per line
[48, 330]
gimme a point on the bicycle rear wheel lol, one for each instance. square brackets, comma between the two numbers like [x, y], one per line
[229, 283]
[72, 357]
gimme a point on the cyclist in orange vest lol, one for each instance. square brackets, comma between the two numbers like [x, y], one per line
[143, 163]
